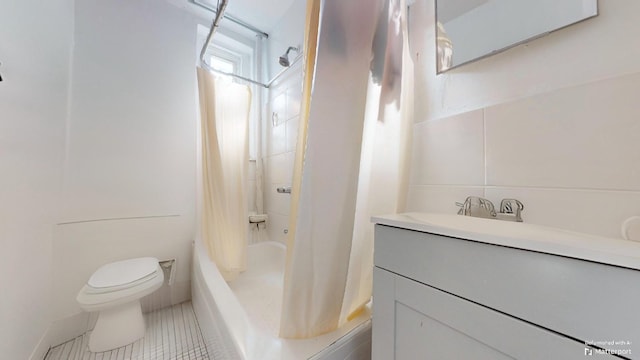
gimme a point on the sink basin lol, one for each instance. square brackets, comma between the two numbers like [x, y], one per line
[521, 236]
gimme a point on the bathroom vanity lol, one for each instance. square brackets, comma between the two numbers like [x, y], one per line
[457, 287]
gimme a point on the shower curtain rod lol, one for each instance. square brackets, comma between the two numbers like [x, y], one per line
[231, 18]
[219, 15]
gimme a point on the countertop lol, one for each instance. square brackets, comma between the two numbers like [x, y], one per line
[524, 236]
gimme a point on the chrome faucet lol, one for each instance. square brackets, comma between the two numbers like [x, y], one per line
[510, 209]
[477, 207]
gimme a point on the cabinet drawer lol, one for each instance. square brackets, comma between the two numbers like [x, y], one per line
[584, 300]
[424, 323]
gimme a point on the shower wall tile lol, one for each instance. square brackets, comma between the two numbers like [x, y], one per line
[292, 133]
[280, 169]
[251, 195]
[580, 137]
[291, 86]
[439, 198]
[276, 226]
[266, 170]
[266, 199]
[291, 157]
[294, 96]
[279, 107]
[282, 136]
[277, 140]
[449, 151]
[278, 203]
[252, 171]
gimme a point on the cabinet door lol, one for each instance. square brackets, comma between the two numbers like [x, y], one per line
[585, 300]
[413, 321]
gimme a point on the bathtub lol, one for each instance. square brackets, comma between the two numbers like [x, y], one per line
[240, 319]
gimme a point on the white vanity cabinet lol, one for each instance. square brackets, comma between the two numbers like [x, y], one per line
[443, 289]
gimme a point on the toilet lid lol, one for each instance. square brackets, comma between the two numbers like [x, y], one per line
[123, 272]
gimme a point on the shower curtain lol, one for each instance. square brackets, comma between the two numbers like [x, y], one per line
[351, 158]
[386, 143]
[224, 116]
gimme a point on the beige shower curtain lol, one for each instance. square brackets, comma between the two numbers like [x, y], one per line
[224, 110]
[350, 161]
[386, 142]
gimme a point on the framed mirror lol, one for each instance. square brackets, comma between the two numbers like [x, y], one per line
[468, 30]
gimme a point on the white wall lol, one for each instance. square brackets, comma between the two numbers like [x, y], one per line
[131, 144]
[35, 44]
[132, 128]
[288, 32]
[552, 123]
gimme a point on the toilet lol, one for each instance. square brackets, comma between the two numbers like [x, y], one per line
[115, 290]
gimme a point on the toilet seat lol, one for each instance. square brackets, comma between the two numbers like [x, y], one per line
[123, 272]
[140, 277]
[101, 290]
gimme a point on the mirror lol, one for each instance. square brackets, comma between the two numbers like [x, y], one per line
[468, 30]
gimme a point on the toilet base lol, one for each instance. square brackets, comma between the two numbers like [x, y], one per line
[117, 327]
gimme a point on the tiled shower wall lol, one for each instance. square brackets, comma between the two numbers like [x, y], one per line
[281, 127]
[572, 156]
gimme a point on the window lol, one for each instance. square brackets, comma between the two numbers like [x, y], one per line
[233, 54]
[223, 65]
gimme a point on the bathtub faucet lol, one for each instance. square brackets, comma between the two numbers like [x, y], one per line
[510, 209]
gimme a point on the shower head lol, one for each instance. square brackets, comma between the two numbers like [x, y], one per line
[284, 59]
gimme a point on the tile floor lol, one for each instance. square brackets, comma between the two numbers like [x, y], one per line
[172, 334]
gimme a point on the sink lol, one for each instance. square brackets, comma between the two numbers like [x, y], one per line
[521, 236]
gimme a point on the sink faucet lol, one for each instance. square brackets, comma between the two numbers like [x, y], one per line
[510, 209]
[477, 207]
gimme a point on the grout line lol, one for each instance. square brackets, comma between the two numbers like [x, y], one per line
[193, 342]
[165, 337]
[200, 336]
[484, 146]
[73, 354]
[175, 338]
[135, 348]
[129, 350]
[55, 351]
[157, 345]
[92, 356]
[154, 334]
[184, 327]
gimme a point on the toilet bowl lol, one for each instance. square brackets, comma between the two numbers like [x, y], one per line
[115, 290]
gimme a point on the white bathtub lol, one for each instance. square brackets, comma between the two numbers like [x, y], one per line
[240, 319]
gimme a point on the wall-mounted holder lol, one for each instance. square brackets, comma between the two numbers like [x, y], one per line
[0, 73]
[169, 269]
[258, 218]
